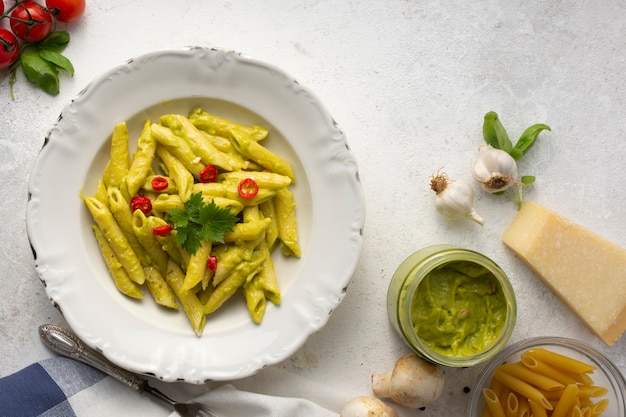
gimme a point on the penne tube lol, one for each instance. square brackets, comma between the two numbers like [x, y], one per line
[542, 368]
[255, 299]
[524, 408]
[511, 405]
[179, 148]
[559, 361]
[120, 159]
[121, 279]
[522, 387]
[101, 192]
[216, 125]
[191, 305]
[537, 410]
[566, 402]
[197, 266]
[285, 206]
[600, 407]
[183, 128]
[260, 154]
[242, 272]
[269, 180]
[492, 401]
[183, 179]
[247, 231]
[271, 233]
[155, 253]
[229, 191]
[120, 208]
[159, 289]
[141, 163]
[116, 238]
[519, 371]
[591, 391]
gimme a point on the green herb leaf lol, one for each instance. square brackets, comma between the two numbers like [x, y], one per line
[57, 59]
[200, 221]
[40, 72]
[495, 133]
[529, 136]
[55, 41]
[527, 179]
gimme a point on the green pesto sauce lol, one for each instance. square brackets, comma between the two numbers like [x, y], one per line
[459, 309]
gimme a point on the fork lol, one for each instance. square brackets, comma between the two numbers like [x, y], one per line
[66, 343]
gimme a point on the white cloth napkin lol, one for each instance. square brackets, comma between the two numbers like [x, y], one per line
[62, 387]
[227, 401]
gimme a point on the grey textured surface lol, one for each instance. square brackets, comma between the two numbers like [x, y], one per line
[409, 83]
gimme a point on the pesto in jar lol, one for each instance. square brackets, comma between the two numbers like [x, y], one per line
[459, 309]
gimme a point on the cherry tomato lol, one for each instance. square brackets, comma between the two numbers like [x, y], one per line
[1, 7]
[31, 22]
[66, 11]
[9, 49]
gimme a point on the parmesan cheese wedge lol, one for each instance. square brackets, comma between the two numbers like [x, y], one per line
[586, 271]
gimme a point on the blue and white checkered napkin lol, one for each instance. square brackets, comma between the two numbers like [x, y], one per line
[62, 387]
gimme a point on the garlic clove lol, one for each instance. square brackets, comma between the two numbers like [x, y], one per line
[455, 198]
[367, 407]
[495, 169]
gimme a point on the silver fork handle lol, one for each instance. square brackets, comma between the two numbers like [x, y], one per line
[69, 345]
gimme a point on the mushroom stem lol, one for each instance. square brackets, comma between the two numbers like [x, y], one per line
[413, 382]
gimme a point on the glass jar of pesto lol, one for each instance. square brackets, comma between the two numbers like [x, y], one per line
[453, 306]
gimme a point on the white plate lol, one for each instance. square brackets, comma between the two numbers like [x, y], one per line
[140, 336]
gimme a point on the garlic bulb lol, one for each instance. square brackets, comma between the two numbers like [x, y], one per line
[495, 169]
[455, 198]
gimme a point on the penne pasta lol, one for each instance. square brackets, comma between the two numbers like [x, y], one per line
[192, 306]
[121, 279]
[287, 225]
[559, 361]
[493, 403]
[116, 238]
[216, 125]
[183, 128]
[120, 159]
[141, 247]
[141, 163]
[261, 155]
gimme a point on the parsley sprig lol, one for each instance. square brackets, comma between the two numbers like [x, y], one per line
[200, 221]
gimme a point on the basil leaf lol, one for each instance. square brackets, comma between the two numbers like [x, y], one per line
[529, 136]
[516, 153]
[495, 134]
[57, 59]
[55, 41]
[40, 72]
[527, 179]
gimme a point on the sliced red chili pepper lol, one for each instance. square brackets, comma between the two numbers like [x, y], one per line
[162, 230]
[211, 263]
[248, 188]
[142, 203]
[208, 174]
[159, 183]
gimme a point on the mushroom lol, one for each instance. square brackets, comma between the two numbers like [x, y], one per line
[413, 383]
[367, 407]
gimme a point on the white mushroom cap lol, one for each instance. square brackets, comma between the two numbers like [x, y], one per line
[367, 407]
[414, 382]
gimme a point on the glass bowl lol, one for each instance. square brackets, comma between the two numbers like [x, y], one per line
[605, 375]
[453, 306]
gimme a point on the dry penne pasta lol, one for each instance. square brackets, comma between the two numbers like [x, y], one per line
[546, 384]
[220, 165]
